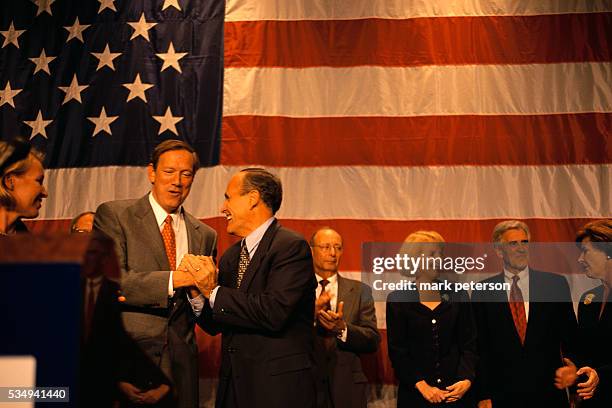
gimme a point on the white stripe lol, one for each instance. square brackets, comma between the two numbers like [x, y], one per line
[418, 91]
[368, 192]
[248, 10]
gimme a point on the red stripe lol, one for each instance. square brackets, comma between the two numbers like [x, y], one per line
[417, 141]
[420, 41]
[209, 354]
[377, 366]
[355, 232]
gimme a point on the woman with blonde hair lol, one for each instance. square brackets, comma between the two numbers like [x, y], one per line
[431, 335]
[21, 185]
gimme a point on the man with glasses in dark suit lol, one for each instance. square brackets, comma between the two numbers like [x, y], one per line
[346, 326]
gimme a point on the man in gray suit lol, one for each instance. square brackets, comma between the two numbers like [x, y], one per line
[346, 326]
[160, 301]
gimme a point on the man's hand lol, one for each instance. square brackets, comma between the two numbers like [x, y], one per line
[322, 303]
[203, 272]
[587, 389]
[131, 392]
[566, 375]
[457, 390]
[333, 321]
[181, 278]
[155, 395]
[432, 394]
[485, 404]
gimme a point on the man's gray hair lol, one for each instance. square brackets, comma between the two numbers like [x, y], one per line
[504, 226]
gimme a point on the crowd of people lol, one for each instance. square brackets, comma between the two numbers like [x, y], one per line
[293, 328]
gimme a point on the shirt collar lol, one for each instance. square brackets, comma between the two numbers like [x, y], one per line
[332, 279]
[523, 275]
[161, 214]
[252, 240]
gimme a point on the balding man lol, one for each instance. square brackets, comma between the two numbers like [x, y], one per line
[346, 326]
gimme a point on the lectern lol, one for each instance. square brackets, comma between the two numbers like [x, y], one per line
[48, 339]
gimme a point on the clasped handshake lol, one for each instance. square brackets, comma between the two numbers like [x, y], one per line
[198, 273]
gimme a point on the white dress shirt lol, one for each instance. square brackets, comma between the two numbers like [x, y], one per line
[523, 284]
[252, 243]
[332, 289]
[182, 245]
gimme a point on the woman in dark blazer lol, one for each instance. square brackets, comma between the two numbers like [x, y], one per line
[431, 337]
[594, 385]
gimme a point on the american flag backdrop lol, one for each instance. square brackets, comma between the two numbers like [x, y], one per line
[380, 116]
[100, 82]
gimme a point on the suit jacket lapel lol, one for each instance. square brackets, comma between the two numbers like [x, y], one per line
[194, 238]
[151, 237]
[260, 253]
[535, 308]
[500, 296]
[345, 295]
[538, 305]
[589, 315]
[606, 312]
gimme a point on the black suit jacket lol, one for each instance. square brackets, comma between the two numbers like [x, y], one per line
[102, 350]
[267, 323]
[438, 346]
[341, 382]
[516, 375]
[595, 336]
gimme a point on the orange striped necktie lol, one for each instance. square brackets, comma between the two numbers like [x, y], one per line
[169, 242]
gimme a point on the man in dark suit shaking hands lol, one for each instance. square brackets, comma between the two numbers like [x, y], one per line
[263, 303]
[523, 332]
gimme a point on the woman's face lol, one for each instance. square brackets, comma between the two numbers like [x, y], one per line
[594, 261]
[28, 190]
[429, 250]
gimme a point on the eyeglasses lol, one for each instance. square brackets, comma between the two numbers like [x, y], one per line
[328, 247]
